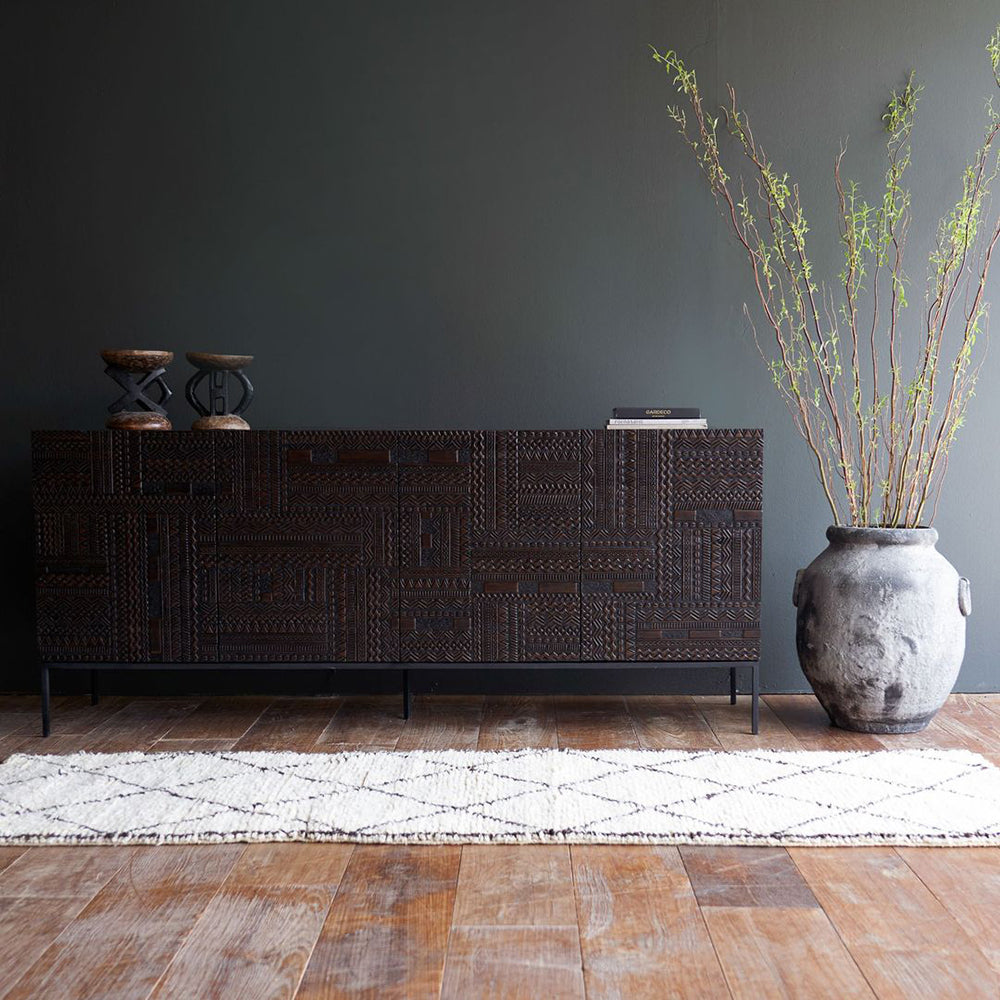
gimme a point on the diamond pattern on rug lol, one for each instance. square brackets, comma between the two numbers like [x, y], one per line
[933, 797]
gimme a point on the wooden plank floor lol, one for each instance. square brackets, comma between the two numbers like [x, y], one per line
[552, 922]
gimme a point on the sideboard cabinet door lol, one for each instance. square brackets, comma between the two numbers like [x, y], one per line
[526, 546]
[709, 605]
[166, 602]
[435, 491]
[307, 547]
[74, 589]
[125, 546]
[624, 516]
[671, 545]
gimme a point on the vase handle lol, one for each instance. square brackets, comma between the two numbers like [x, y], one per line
[795, 588]
[964, 596]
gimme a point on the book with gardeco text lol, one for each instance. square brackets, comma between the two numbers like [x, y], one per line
[663, 425]
[656, 413]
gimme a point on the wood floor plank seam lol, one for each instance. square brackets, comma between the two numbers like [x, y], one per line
[261, 703]
[254, 907]
[333, 722]
[763, 945]
[774, 734]
[390, 922]
[68, 934]
[514, 962]
[620, 709]
[512, 722]
[707, 721]
[345, 718]
[180, 944]
[333, 718]
[305, 964]
[441, 726]
[514, 927]
[579, 924]
[254, 721]
[708, 932]
[641, 932]
[333, 897]
[715, 949]
[951, 947]
[451, 927]
[26, 857]
[37, 910]
[944, 904]
[635, 704]
[191, 929]
[840, 937]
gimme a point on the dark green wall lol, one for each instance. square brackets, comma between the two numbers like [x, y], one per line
[451, 213]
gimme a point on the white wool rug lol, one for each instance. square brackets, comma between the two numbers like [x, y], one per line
[931, 797]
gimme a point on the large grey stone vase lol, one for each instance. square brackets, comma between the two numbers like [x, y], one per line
[880, 628]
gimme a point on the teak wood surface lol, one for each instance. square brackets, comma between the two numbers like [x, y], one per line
[338, 921]
[398, 547]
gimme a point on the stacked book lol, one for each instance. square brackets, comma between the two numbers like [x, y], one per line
[659, 417]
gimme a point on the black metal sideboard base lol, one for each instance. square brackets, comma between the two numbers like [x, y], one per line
[96, 668]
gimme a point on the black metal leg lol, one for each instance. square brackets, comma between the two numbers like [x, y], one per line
[755, 701]
[406, 694]
[95, 694]
[732, 685]
[45, 700]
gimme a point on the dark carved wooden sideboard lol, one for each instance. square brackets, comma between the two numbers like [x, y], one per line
[411, 548]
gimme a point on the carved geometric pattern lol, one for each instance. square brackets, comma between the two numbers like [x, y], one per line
[604, 629]
[315, 588]
[434, 540]
[668, 633]
[624, 511]
[321, 469]
[73, 587]
[526, 510]
[84, 464]
[177, 468]
[716, 469]
[271, 610]
[435, 467]
[180, 594]
[435, 488]
[435, 630]
[62, 465]
[710, 555]
[248, 472]
[398, 546]
[532, 629]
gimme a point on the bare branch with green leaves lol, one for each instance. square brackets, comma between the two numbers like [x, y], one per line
[879, 440]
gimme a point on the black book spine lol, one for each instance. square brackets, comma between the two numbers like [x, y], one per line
[657, 412]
